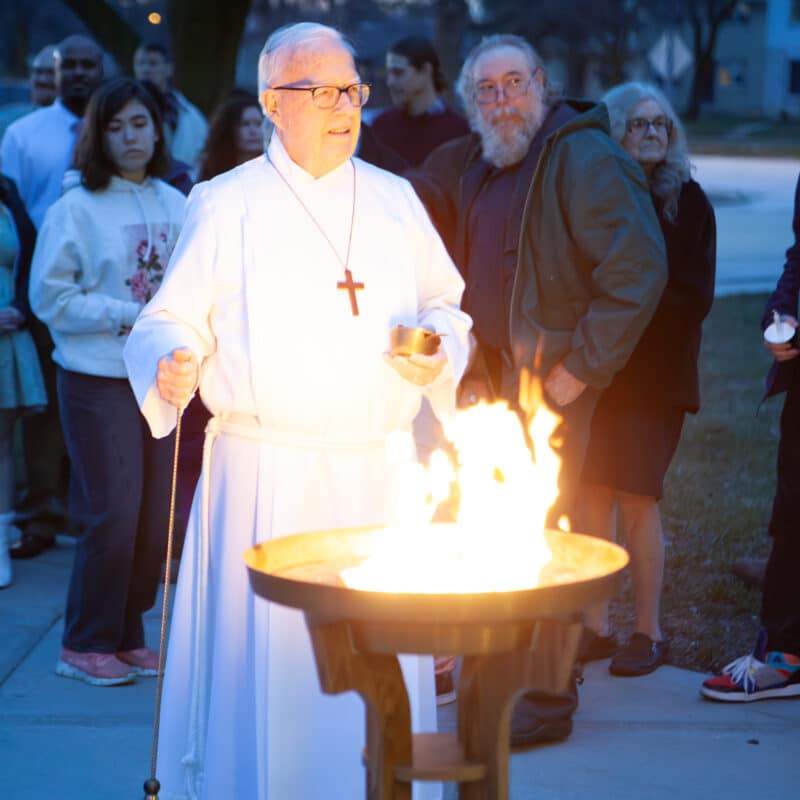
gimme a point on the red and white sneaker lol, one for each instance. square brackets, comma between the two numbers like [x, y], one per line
[143, 660]
[96, 669]
[760, 675]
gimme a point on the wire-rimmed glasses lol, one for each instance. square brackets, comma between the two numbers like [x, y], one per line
[513, 86]
[638, 126]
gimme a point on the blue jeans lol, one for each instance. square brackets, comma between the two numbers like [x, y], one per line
[122, 509]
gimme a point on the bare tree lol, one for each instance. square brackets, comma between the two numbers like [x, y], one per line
[579, 31]
[705, 17]
[451, 22]
[205, 37]
[115, 35]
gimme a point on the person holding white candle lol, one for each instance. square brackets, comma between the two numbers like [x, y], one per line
[773, 668]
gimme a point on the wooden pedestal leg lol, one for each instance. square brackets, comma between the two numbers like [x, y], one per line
[489, 686]
[379, 681]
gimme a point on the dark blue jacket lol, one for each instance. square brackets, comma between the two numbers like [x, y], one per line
[9, 197]
[784, 375]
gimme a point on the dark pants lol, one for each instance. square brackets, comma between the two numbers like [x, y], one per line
[780, 604]
[122, 507]
[570, 441]
[43, 506]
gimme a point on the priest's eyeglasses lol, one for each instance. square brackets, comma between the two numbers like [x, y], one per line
[639, 126]
[326, 97]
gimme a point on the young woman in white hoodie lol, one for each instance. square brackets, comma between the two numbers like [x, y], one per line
[100, 256]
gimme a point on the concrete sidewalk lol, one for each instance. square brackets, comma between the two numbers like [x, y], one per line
[651, 737]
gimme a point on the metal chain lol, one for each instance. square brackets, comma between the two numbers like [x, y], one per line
[346, 261]
[152, 786]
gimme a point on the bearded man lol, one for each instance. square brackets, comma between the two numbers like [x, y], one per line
[283, 325]
[552, 225]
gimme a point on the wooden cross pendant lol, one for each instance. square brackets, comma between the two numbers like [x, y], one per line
[351, 286]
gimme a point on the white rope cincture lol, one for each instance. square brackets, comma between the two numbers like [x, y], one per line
[194, 759]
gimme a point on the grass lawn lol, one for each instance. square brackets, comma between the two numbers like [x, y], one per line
[718, 496]
[729, 136]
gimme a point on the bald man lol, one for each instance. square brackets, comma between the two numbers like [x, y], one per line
[37, 150]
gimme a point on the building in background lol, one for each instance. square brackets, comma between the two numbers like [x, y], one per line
[782, 63]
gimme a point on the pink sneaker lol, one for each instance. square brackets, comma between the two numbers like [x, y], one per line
[143, 660]
[97, 669]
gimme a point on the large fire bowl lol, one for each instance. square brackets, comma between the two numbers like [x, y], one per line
[511, 642]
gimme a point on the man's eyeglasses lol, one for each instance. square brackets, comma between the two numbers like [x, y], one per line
[640, 125]
[513, 86]
[326, 97]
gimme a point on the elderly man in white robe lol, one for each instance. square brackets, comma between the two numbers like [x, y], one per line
[287, 278]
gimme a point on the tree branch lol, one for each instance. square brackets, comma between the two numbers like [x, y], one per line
[111, 31]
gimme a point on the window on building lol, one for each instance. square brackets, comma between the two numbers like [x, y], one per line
[732, 73]
[794, 77]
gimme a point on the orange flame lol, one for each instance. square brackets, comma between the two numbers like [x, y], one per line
[505, 492]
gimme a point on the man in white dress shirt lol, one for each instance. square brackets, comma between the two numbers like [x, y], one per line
[287, 278]
[37, 149]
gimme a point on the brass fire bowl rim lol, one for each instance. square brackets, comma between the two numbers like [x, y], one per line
[268, 562]
[405, 341]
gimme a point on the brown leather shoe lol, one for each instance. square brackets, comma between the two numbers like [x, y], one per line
[751, 571]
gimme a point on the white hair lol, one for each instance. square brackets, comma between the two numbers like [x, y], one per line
[669, 176]
[284, 41]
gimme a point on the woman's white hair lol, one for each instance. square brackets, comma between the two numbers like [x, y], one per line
[284, 41]
[670, 175]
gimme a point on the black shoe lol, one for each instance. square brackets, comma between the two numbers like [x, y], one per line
[528, 730]
[640, 656]
[594, 647]
[31, 545]
[541, 717]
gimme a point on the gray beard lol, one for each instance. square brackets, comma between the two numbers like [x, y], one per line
[505, 147]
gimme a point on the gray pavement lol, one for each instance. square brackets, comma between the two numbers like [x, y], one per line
[753, 200]
[651, 737]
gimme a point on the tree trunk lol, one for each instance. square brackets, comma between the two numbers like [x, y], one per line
[704, 51]
[451, 20]
[206, 35]
[112, 33]
[576, 73]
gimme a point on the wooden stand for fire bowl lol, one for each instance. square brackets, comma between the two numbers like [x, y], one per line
[512, 642]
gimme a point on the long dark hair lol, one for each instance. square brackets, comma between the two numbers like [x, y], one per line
[420, 51]
[108, 99]
[220, 153]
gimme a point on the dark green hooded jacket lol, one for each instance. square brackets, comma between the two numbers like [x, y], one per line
[592, 262]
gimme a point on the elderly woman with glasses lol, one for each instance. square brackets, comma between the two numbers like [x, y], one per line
[638, 421]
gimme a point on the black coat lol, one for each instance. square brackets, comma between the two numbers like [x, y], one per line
[9, 197]
[662, 370]
[375, 151]
[785, 375]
